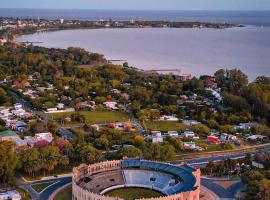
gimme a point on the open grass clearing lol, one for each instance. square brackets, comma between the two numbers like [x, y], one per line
[95, 117]
[134, 193]
[164, 126]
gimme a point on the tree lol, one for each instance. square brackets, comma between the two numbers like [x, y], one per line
[139, 140]
[210, 167]
[9, 161]
[3, 96]
[151, 151]
[30, 161]
[201, 129]
[167, 152]
[87, 153]
[130, 152]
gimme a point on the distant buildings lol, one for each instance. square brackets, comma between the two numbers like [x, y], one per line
[190, 122]
[157, 137]
[10, 195]
[168, 118]
[28, 141]
[111, 105]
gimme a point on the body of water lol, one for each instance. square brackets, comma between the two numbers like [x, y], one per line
[195, 51]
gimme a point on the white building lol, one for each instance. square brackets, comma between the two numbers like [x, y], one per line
[17, 106]
[10, 195]
[168, 118]
[188, 134]
[157, 137]
[188, 122]
[173, 133]
[111, 104]
[60, 106]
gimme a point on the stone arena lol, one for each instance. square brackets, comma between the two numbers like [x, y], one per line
[92, 182]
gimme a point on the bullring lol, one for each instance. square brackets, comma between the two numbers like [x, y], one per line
[93, 182]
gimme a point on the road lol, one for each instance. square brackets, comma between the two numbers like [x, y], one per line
[201, 162]
[46, 193]
[197, 162]
[26, 104]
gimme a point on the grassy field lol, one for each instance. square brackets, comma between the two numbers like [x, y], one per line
[65, 194]
[133, 193]
[95, 117]
[41, 186]
[165, 126]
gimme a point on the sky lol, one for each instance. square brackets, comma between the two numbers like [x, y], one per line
[140, 4]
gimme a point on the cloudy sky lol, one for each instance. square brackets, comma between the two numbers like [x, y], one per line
[140, 4]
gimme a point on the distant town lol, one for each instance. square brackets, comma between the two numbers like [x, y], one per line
[26, 26]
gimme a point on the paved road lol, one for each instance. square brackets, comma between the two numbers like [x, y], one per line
[200, 162]
[222, 192]
[211, 184]
[135, 121]
[45, 194]
[49, 190]
[26, 104]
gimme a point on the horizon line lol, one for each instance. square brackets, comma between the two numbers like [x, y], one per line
[109, 9]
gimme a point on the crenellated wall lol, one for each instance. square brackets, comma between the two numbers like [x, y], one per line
[83, 170]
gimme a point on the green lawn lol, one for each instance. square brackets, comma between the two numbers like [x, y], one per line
[164, 126]
[65, 194]
[134, 193]
[95, 117]
[41, 186]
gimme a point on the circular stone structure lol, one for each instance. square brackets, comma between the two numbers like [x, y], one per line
[92, 182]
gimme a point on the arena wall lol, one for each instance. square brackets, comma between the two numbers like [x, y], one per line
[83, 170]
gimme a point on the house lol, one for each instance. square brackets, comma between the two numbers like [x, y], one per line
[12, 137]
[257, 165]
[257, 138]
[17, 125]
[173, 133]
[5, 135]
[213, 139]
[227, 137]
[64, 133]
[168, 118]
[245, 126]
[189, 145]
[185, 77]
[216, 94]
[17, 106]
[110, 104]
[51, 109]
[188, 122]
[21, 84]
[44, 136]
[157, 137]
[10, 195]
[2, 41]
[115, 91]
[60, 106]
[188, 134]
